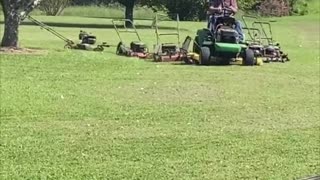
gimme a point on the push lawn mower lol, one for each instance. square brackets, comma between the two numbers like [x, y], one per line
[87, 41]
[164, 52]
[261, 41]
[222, 46]
[136, 48]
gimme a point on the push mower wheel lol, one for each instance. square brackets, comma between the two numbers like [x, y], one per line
[248, 58]
[157, 58]
[98, 48]
[68, 46]
[119, 49]
[204, 56]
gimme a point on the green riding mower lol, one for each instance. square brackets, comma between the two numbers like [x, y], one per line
[168, 51]
[136, 48]
[261, 41]
[221, 46]
[87, 41]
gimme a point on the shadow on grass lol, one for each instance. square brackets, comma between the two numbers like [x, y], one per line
[95, 26]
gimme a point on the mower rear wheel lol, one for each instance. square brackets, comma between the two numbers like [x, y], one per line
[68, 46]
[157, 58]
[204, 56]
[248, 58]
[119, 49]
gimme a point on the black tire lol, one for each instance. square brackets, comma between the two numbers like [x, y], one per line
[99, 48]
[157, 58]
[68, 46]
[119, 49]
[187, 60]
[248, 58]
[204, 56]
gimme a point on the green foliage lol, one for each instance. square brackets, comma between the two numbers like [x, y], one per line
[196, 9]
[314, 6]
[107, 12]
[248, 4]
[53, 7]
[299, 7]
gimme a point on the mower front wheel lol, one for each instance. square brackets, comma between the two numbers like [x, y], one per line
[157, 58]
[248, 58]
[68, 46]
[204, 56]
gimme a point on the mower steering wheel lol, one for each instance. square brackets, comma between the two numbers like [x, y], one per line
[227, 11]
[221, 11]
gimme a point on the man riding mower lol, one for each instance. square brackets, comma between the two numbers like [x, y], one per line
[216, 9]
[221, 43]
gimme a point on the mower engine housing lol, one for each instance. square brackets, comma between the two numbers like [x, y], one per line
[139, 47]
[169, 49]
[227, 35]
[89, 40]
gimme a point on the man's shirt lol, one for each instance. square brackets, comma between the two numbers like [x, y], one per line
[224, 3]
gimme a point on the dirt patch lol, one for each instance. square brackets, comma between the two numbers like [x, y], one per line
[22, 51]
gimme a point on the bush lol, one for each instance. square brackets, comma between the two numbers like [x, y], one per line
[249, 4]
[53, 7]
[299, 7]
[274, 8]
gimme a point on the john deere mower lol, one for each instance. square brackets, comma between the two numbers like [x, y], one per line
[261, 40]
[169, 51]
[136, 48]
[222, 46]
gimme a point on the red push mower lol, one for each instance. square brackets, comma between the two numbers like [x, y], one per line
[137, 48]
[166, 52]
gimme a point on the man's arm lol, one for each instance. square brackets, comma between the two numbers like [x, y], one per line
[234, 6]
[214, 6]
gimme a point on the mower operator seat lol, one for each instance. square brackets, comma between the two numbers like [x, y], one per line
[226, 21]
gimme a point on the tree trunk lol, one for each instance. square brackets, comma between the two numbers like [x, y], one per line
[129, 12]
[11, 25]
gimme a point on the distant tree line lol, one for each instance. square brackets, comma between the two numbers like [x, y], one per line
[187, 9]
[196, 9]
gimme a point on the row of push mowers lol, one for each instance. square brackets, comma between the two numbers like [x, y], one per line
[163, 51]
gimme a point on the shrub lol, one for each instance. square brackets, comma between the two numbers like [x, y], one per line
[274, 8]
[53, 7]
[299, 7]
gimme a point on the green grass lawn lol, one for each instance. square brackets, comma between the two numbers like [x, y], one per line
[87, 115]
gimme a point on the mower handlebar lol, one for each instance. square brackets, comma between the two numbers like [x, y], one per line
[221, 11]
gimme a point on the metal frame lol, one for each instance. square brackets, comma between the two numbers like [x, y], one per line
[265, 39]
[51, 30]
[261, 28]
[158, 34]
[124, 21]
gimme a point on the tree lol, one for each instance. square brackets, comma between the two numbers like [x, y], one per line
[12, 17]
[129, 5]
[11, 21]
